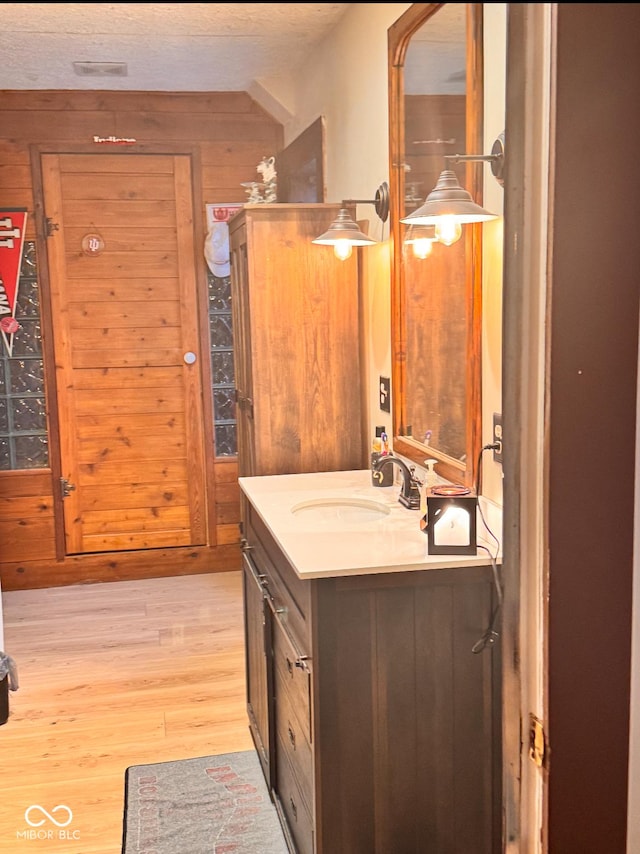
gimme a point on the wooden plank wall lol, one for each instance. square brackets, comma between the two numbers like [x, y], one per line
[232, 134]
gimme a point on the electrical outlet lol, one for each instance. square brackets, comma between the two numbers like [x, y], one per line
[497, 436]
[385, 394]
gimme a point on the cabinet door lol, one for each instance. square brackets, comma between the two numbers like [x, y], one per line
[259, 671]
[407, 718]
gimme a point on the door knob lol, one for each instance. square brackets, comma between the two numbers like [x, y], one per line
[189, 357]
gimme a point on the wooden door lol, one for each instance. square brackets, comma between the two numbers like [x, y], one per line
[129, 392]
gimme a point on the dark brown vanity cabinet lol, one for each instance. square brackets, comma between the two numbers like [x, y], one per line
[378, 728]
[258, 663]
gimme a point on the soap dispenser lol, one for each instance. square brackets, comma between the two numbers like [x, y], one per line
[431, 478]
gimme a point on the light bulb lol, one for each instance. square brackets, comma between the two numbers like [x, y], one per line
[342, 249]
[422, 247]
[448, 230]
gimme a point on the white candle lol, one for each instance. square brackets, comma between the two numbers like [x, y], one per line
[452, 528]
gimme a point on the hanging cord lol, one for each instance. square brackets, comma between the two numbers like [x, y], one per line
[491, 635]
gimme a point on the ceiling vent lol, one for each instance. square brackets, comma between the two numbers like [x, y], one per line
[100, 69]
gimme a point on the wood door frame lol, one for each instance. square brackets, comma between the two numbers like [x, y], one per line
[44, 277]
[569, 619]
[525, 621]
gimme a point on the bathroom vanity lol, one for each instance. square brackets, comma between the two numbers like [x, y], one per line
[377, 727]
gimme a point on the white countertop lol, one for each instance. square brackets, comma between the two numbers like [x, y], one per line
[322, 548]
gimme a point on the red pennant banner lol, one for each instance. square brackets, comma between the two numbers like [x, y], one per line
[13, 222]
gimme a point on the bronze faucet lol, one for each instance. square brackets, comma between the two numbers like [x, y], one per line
[410, 492]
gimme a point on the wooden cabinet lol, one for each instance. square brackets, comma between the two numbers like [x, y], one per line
[296, 343]
[384, 726]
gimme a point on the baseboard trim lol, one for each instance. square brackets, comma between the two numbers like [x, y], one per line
[119, 566]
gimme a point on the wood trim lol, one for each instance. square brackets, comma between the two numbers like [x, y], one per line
[202, 296]
[34, 100]
[60, 334]
[189, 312]
[119, 566]
[46, 320]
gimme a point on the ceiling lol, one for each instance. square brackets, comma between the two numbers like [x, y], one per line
[167, 47]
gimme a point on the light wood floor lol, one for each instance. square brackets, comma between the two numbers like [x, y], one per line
[113, 675]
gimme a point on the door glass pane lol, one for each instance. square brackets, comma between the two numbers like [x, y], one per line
[224, 407]
[221, 329]
[23, 423]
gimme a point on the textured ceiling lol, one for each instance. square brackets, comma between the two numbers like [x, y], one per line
[165, 46]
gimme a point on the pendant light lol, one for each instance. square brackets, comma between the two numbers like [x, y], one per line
[343, 233]
[449, 206]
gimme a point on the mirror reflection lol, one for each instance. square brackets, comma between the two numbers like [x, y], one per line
[435, 111]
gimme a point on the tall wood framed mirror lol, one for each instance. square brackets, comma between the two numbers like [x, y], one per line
[435, 109]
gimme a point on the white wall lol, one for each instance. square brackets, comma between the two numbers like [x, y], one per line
[346, 81]
[495, 49]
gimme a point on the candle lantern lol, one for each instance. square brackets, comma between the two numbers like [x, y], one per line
[451, 521]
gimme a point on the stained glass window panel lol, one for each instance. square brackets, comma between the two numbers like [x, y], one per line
[23, 423]
[226, 440]
[26, 376]
[31, 452]
[222, 366]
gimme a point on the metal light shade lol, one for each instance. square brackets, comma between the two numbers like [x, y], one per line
[344, 228]
[448, 198]
[343, 233]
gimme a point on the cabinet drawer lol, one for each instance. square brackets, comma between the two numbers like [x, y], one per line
[293, 678]
[292, 802]
[292, 718]
[294, 747]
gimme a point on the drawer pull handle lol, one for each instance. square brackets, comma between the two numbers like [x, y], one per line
[294, 809]
[292, 736]
[289, 666]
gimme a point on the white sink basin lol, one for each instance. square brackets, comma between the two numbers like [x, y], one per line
[347, 510]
